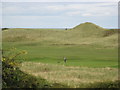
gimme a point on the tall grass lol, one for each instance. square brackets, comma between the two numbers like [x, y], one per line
[70, 76]
[69, 37]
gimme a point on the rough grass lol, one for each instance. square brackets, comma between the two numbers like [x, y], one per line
[71, 76]
[106, 84]
[64, 37]
[90, 29]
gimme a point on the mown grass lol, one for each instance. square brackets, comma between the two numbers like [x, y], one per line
[76, 55]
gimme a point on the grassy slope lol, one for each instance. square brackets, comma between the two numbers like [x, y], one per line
[88, 48]
[70, 37]
[80, 47]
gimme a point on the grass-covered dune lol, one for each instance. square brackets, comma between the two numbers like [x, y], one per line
[91, 52]
[83, 34]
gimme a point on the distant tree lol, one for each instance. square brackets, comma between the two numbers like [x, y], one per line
[66, 29]
[4, 29]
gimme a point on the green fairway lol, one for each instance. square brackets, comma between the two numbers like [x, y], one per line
[76, 55]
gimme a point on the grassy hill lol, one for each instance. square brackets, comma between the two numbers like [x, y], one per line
[91, 30]
[88, 26]
[83, 34]
[91, 52]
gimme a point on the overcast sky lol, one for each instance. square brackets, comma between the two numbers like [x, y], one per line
[59, 15]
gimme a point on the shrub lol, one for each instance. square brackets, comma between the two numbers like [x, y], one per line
[13, 77]
[107, 84]
[4, 29]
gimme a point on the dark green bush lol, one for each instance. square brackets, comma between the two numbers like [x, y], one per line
[13, 77]
[5, 28]
[107, 84]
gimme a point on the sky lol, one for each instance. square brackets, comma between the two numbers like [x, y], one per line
[58, 14]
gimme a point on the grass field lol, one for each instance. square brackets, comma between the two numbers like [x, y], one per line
[90, 57]
[76, 55]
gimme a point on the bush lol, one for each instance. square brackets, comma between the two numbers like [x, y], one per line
[4, 29]
[107, 84]
[13, 77]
